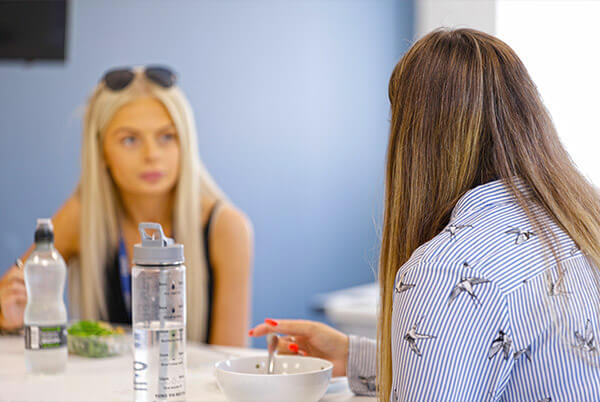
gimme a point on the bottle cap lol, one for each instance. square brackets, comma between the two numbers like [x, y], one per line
[157, 249]
[44, 231]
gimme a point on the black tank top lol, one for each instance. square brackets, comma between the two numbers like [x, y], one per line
[115, 305]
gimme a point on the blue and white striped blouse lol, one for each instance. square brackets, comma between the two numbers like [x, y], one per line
[478, 314]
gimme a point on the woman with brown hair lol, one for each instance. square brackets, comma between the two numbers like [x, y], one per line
[490, 252]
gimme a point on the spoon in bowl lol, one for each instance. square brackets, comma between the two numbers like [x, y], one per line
[272, 341]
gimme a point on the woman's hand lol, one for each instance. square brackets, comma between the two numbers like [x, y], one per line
[13, 299]
[308, 338]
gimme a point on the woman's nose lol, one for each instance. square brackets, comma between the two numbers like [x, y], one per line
[151, 150]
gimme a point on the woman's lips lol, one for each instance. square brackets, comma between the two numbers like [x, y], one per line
[152, 177]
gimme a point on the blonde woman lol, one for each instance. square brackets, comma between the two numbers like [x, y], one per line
[491, 242]
[140, 163]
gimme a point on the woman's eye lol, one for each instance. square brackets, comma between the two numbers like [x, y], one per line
[165, 138]
[128, 141]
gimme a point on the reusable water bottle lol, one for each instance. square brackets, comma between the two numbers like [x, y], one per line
[45, 316]
[158, 317]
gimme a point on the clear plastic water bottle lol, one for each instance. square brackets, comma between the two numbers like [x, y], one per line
[158, 315]
[45, 314]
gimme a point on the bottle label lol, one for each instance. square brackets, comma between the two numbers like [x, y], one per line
[45, 337]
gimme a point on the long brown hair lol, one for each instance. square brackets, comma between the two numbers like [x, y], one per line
[465, 112]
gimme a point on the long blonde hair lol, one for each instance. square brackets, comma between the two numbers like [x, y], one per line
[465, 112]
[100, 205]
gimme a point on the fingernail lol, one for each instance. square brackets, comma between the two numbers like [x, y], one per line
[251, 332]
[303, 353]
[271, 322]
[293, 347]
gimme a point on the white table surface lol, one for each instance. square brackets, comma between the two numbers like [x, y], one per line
[111, 379]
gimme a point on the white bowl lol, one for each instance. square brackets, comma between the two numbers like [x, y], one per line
[296, 379]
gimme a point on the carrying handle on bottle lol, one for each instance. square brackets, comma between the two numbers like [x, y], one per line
[152, 241]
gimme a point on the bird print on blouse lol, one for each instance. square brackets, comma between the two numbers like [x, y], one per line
[501, 343]
[521, 236]
[585, 341]
[466, 285]
[369, 382]
[403, 287]
[412, 336]
[556, 288]
[574, 250]
[466, 264]
[523, 352]
[453, 229]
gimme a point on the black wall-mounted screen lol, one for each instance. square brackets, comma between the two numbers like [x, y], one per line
[33, 30]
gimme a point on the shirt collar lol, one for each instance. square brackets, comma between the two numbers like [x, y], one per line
[492, 193]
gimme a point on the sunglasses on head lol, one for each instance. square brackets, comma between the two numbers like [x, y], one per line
[119, 78]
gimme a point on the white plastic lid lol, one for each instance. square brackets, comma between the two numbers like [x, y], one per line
[156, 250]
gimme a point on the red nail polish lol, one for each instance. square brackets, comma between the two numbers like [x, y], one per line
[271, 322]
[303, 353]
[293, 347]
[251, 332]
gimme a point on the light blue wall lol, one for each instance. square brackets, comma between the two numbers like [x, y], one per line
[291, 103]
